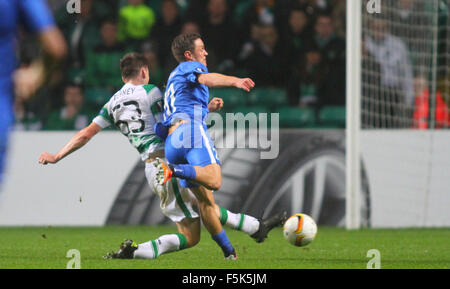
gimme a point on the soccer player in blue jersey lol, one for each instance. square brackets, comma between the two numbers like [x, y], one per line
[188, 147]
[35, 16]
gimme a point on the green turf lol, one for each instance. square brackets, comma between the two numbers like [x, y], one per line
[333, 248]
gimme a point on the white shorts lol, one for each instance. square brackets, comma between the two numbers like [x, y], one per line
[176, 201]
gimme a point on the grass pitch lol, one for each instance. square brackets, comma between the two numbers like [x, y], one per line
[46, 247]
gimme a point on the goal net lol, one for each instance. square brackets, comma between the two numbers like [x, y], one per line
[398, 95]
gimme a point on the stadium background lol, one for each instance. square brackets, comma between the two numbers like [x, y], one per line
[295, 52]
[270, 41]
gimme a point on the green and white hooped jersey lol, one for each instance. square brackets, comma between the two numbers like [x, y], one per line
[134, 109]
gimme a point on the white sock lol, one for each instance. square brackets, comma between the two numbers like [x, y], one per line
[145, 251]
[164, 244]
[242, 222]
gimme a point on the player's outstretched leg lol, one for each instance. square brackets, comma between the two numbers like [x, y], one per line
[164, 244]
[265, 225]
[237, 221]
[257, 229]
[151, 249]
[188, 236]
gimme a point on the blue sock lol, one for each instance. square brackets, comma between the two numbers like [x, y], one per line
[184, 172]
[224, 243]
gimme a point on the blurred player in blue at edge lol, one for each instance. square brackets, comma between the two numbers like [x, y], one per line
[34, 16]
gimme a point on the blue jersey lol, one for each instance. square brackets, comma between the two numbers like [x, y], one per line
[35, 16]
[185, 98]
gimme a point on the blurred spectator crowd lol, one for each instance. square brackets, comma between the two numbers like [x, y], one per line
[406, 57]
[294, 50]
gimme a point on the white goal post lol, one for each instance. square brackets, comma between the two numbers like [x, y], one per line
[353, 178]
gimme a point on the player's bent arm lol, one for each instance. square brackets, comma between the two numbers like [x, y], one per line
[220, 80]
[77, 141]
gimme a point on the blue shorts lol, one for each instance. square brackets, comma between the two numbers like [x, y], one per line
[191, 144]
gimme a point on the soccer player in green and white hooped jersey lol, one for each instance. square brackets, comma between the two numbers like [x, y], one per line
[134, 109]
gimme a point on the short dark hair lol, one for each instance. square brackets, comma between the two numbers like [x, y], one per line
[183, 43]
[131, 63]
